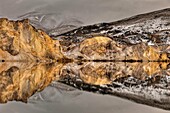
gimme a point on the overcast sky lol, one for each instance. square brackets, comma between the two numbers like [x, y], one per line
[90, 11]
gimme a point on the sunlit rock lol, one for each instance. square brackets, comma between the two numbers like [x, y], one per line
[21, 41]
[129, 58]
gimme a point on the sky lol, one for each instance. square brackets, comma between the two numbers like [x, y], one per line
[89, 12]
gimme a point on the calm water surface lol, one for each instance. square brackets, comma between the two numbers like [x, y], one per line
[56, 100]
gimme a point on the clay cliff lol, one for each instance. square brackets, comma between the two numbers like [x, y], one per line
[19, 41]
[129, 58]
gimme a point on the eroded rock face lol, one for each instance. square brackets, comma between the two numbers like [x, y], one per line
[21, 41]
[28, 60]
[128, 58]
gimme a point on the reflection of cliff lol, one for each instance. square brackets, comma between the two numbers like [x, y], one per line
[146, 83]
[130, 60]
[28, 57]
[20, 83]
[97, 73]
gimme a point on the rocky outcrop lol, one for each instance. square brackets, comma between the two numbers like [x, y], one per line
[27, 60]
[128, 58]
[19, 41]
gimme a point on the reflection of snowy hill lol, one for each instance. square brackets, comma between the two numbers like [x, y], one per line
[61, 98]
[56, 92]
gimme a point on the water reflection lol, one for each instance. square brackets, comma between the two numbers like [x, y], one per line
[19, 83]
[97, 73]
[146, 82]
[54, 92]
[137, 81]
[129, 60]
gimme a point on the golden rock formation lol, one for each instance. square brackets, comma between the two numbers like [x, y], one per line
[105, 48]
[20, 41]
[30, 60]
[19, 83]
[27, 60]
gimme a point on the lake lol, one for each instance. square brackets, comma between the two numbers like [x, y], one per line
[78, 13]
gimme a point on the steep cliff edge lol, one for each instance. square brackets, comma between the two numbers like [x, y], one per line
[19, 41]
